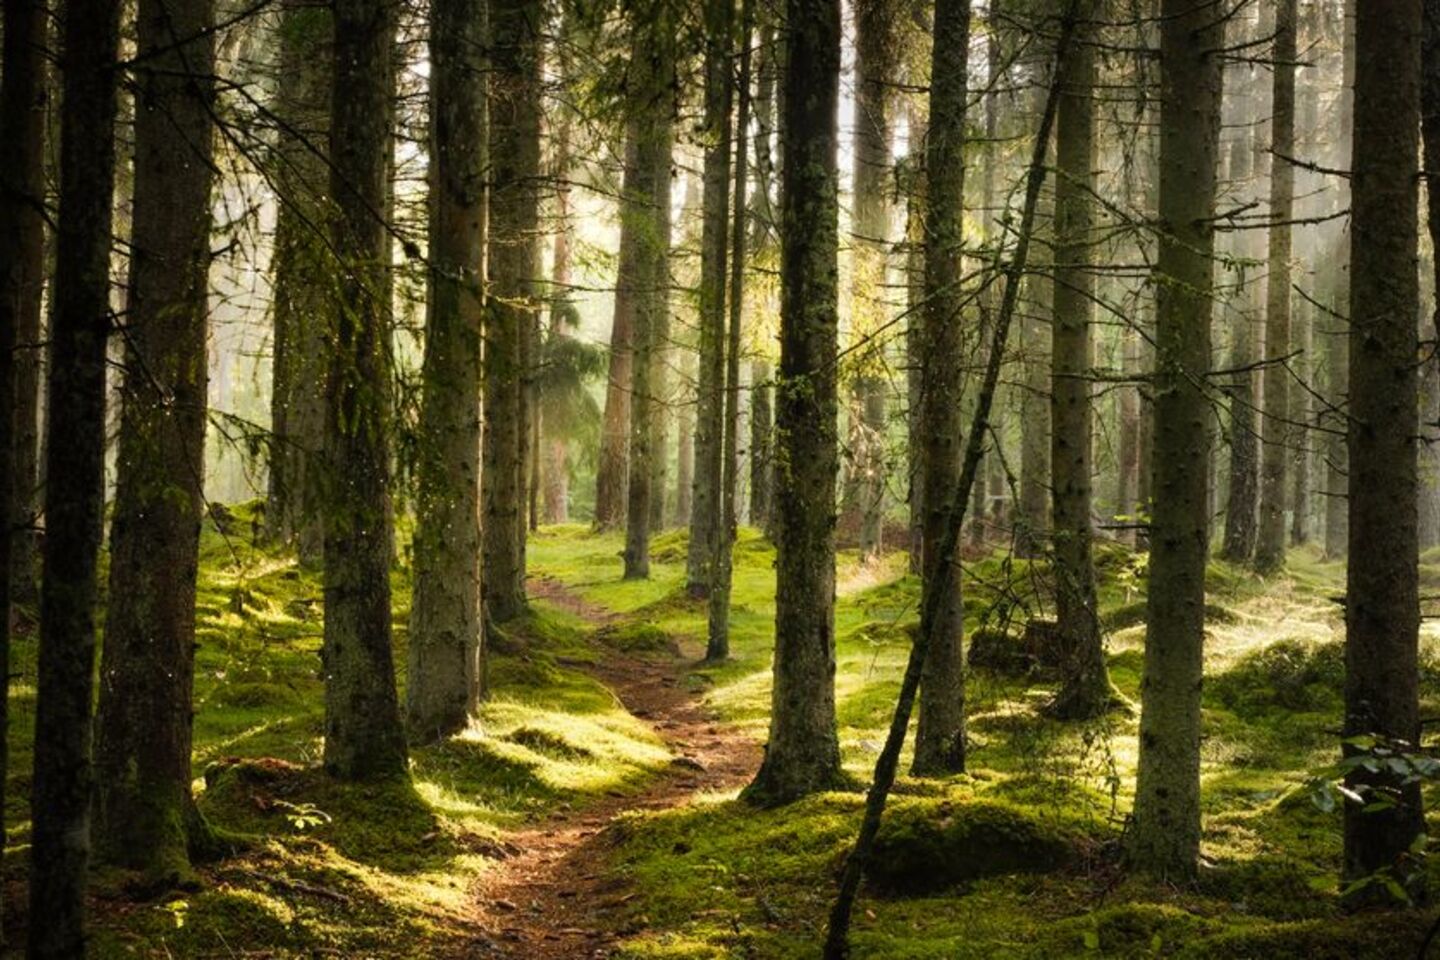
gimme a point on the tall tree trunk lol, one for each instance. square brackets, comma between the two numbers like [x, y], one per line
[1301, 414]
[1278, 436]
[145, 814]
[762, 223]
[1429, 451]
[803, 753]
[1033, 520]
[363, 735]
[648, 214]
[1382, 608]
[515, 39]
[914, 189]
[300, 280]
[612, 472]
[1337, 340]
[685, 448]
[1165, 837]
[714, 242]
[1085, 690]
[74, 490]
[23, 95]
[940, 731]
[446, 647]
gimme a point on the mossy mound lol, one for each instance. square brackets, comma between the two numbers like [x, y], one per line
[926, 847]
[543, 741]
[1127, 930]
[1274, 888]
[670, 546]
[999, 651]
[1133, 614]
[1378, 936]
[636, 636]
[1290, 674]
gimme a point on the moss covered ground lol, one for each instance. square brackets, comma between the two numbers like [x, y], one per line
[1014, 859]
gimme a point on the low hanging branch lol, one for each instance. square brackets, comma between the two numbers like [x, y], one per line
[836, 940]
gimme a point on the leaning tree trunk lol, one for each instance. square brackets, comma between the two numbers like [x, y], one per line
[145, 814]
[443, 685]
[515, 35]
[75, 471]
[940, 731]
[803, 753]
[1278, 436]
[364, 739]
[1085, 690]
[714, 242]
[1382, 609]
[1165, 837]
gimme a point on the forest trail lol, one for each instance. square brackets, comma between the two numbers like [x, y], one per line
[553, 899]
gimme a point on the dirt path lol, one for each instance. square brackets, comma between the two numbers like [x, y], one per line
[552, 900]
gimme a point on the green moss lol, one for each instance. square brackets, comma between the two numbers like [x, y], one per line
[636, 636]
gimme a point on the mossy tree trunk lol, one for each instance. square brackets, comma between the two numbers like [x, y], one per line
[143, 806]
[803, 753]
[940, 730]
[1382, 609]
[443, 685]
[714, 247]
[300, 289]
[1276, 432]
[1165, 837]
[515, 51]
[1085, 690]
[75, 471]
[364, 738]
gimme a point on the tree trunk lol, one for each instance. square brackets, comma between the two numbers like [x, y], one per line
[714, 241]
[914, 187]
[685, 448]
[1165, 837]
[300, 279]
[1382, 607]
[515, 33]
[74, 492]
[940, 731]
[446, 648]
[803, 753]
[1085, 690]
[1337, 340]
[363, 735]
[1033, 520]
[612, 472]
[1278, 436]
[1301, 414]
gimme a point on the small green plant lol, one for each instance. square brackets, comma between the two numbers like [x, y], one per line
[302, 816]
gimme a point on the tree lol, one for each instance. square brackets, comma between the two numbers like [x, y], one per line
[74, 502]
[1165, 837]
[940, 731]
[446, 639]
[1033, 520]
[364, 739]
[714, 242]
[145, 814]
[803, 753]
[1278, 437]
[1382, 592]
[300, 264]
[1337, 337]
[515, 57]
[1085, 691]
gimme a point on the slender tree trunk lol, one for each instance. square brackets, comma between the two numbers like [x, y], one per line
[23, 97]
[714, 241]
[1033, 518]
[940, 731]
[1382, 583]
[762, 223]
[1337, 340]
[1429, 451]
[685, 449]
[1301, 415]
[145, 814]
[803, 753]
[446, 647]
[1128, 468]
[363, 735]
[1085, 691]
[300, 280]
[1165, 837]
[612, 473]
[515, 39]
[1276, 431]
[762, 453]
[74, 492]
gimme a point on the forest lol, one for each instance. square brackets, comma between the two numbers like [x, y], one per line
[706, 479]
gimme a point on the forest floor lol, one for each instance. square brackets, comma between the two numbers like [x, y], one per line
[592, 808]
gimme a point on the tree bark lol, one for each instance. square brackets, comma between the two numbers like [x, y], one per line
[1382, 607]
[364, 739]
[446, 650]
[1165, 837]
[80, 324]
[803, 753]
[940, 730]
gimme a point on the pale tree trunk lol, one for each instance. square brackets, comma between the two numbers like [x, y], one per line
[940, 730]
[1033, 510]
[1382, 590]
[1277, 434]
[685, 449]
[762, 222]
[803, 752]
[75, 473]
[1165, 836]
[446, 648]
